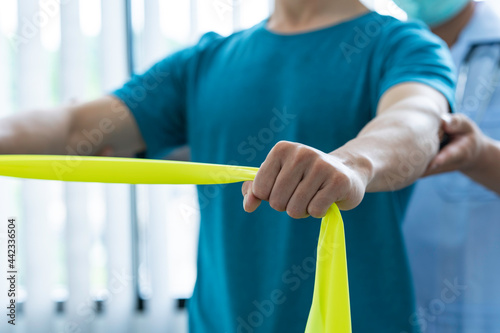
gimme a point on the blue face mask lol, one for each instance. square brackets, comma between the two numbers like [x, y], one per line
[432, 12]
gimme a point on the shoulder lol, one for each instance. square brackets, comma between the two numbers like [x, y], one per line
[380, 29]
[382, 35]
[409, 52]
[411, 42]
[414, 32]
[213, 44]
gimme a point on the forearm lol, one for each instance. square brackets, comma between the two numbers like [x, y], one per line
[393, 150]
[37, 132]
[486, 169]
[84, 129]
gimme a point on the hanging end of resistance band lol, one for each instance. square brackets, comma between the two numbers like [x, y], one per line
[330, 309]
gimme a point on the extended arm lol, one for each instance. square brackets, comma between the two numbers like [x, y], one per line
[86, 129]
[391, 152]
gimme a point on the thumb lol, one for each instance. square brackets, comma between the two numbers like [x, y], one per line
[250, 201]
[457, 124]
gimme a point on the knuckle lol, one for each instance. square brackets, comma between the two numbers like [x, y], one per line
[282, 146]
[320, 166]
[282, 143]
[342, 181]
[302, 151]
[302, 156]
[281, 149]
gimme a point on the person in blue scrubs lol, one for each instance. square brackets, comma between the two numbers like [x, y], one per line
[452, 228]
[335, 104]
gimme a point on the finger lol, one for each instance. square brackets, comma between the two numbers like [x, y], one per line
[439, 169]
[453, 154]
[450, 158]
[265, 178]
[329, 193]
[246, 187]
[458, 124]
[302, 196]
[321, 201]
[250, 201]
[286, 182]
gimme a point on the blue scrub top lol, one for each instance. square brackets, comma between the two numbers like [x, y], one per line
[453, 224]
[232, 99]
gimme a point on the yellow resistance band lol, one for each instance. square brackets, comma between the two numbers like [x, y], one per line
[330, 311]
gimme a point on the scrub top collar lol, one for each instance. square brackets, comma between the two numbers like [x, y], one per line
[484, 27]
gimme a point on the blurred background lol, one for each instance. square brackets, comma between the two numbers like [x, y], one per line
[94, 257]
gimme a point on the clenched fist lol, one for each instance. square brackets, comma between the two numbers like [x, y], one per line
[304, 181]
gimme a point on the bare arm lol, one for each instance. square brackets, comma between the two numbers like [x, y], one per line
[84, 129]
[391, 152]
[470, 151]
[402, 140]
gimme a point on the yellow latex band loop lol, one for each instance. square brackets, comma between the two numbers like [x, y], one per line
[330, 310]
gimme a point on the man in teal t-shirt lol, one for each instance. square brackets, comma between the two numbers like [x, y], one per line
[232, 100]
[337, 103]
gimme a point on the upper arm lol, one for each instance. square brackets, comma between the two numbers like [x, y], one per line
[157, 101]
[413, 97]
[412, 107]
[415, 107]
[148, 113]
[104, 123]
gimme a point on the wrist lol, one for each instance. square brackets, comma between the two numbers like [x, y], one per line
[485, 157]
[359, 164]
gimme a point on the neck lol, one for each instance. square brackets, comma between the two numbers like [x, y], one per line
[451, 30]
[295, 16]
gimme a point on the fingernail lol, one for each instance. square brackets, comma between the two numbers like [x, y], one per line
[447, 118]
[245, 200]
[453, 123]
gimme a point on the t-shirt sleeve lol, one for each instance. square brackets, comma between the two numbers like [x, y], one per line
[411, 53]
[157, 99]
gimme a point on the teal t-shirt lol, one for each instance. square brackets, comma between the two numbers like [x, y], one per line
[231, 99]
